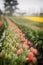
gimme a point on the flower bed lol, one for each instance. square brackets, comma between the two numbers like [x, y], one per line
[35, 36]
[1, 26]
[16, 48]
[2, 32]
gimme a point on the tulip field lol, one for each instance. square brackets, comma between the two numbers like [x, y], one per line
[27, 21]
[37, 19]
[21, 41]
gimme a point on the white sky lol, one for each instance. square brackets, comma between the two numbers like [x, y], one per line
[1, 4]
[26, 5]
[30, 4]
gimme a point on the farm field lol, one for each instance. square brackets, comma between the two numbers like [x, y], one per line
[33, 18]
[34, 28]
[22, 43]
[28, 23]
[21, 32]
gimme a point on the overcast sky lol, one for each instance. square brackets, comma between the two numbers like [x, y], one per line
[1, 4]
[26, 5]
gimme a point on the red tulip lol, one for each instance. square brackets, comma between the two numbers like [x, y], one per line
[30, 57]
[1, 23]
[22, 40]
[20, 51]
[21, 34]
[35, 51]
[25, 46]
[31, 49]
[20, 31]
[28, 42]
[34, 60]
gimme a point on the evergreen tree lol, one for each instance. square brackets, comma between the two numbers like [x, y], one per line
[10, 6]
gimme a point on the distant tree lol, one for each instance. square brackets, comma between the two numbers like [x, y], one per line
[21, 13]
[41, 12]
[1, 12]
[10, 5]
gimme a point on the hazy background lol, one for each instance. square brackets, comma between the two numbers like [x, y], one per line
[26, 6]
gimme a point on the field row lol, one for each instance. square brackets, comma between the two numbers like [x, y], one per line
[28, 23]
[20, 43]
[16, 49]
[35, 34]
[35, 19]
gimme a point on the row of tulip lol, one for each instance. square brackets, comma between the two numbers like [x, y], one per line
[2, 27]
[16, 48]
[34, 35]
[1, 22]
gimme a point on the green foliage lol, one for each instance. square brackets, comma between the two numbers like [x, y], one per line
[34, 35]
[9, 44]
[2, 29]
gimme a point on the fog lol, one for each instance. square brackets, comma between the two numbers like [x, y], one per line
[28, 6]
